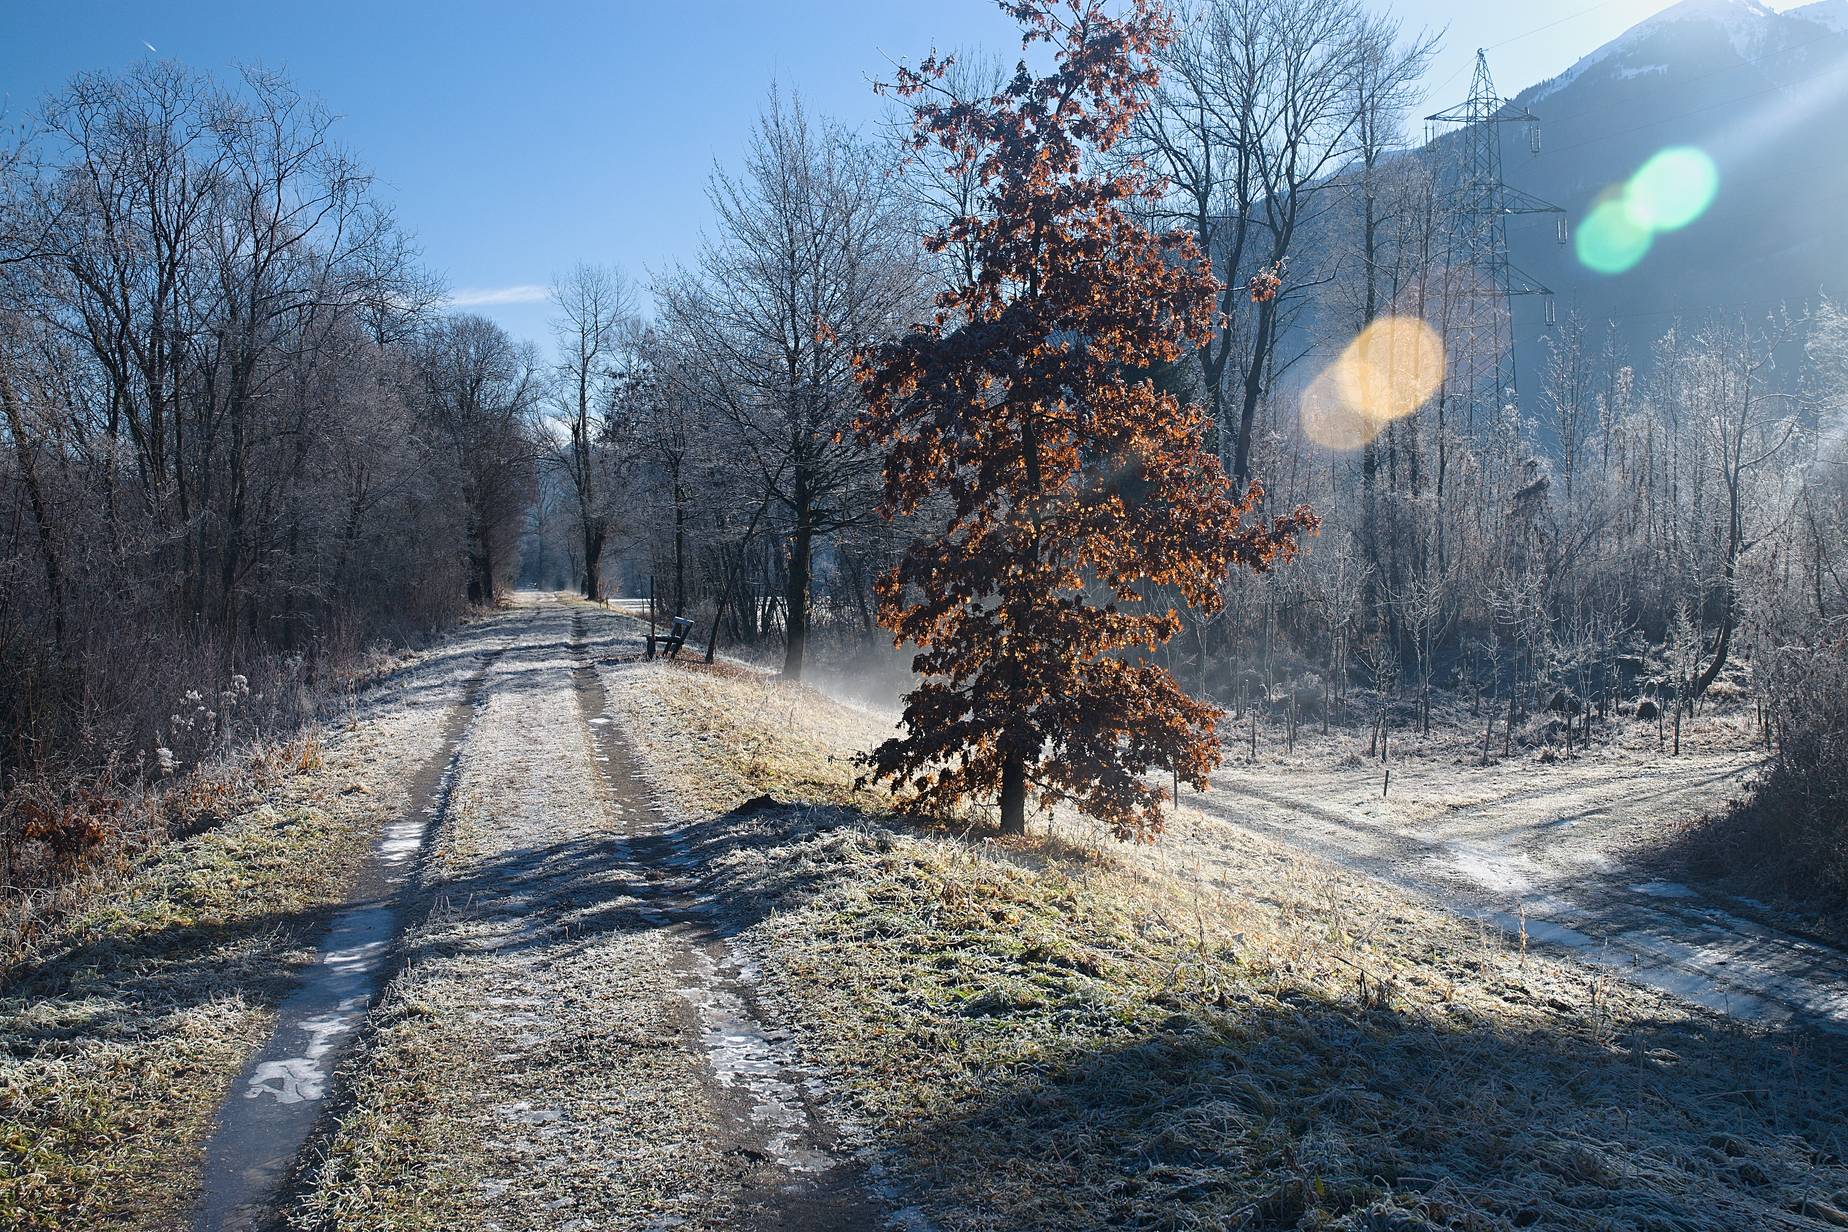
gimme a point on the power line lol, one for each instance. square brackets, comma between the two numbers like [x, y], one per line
[1515, 38]
[1592, 8]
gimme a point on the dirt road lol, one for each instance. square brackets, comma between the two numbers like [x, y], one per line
[590, 979]
[568, 1027]
[1558, 855]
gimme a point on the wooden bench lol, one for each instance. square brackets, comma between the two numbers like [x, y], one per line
[671, 642]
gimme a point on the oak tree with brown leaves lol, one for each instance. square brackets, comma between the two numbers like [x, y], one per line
[1073, 487]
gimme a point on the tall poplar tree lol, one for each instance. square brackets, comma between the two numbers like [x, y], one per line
[1074, 487]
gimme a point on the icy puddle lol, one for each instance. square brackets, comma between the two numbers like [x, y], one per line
[264, 1122]
[1663, 889]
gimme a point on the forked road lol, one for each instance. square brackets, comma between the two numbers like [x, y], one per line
[1531, 852]
[582, 1015]
[1532, 857]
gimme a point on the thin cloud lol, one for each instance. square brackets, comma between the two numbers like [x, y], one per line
[475, 297]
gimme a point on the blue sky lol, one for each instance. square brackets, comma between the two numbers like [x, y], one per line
[518, 138]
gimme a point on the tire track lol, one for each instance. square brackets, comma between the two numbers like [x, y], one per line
[278, 1099]
[1665, 936]
[793, 1167]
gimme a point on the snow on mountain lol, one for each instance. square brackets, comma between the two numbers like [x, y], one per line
[1742, 22]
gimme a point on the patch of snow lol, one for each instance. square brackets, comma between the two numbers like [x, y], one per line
[1743, 20]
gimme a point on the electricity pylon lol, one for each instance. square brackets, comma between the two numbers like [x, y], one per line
[1481, 323]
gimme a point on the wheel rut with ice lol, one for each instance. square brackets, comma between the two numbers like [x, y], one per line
[794, 1167]
[275, 1104]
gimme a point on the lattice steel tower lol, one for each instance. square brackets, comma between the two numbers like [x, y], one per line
[1480, 333]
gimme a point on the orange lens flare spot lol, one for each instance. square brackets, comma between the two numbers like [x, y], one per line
[1328, 420]
[1390, 370]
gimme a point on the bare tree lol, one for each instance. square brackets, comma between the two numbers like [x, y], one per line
[1566, 391]
[482, 393]
[1750, 425]
[936, 188]
[811, 259]
[1260, 103]
[222, 420]
[594, 313]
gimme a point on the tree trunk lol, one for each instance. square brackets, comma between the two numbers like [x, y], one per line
[234, 514]
[1729, 577]
[731, 577]
[718, 618]
[680, 550]
[593, 560]
[1013, 791]
[796, 592]
[1254, 386]
[41, 516]
[481, 586]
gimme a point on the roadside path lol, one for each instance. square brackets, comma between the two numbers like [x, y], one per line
[1546, 860]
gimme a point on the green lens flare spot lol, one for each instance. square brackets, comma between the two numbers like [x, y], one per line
[1672, 189]
[1610, 241]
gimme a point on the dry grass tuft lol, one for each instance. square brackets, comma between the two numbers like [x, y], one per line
[308, 754]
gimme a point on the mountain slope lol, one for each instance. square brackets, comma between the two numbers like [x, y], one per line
[1765, 95]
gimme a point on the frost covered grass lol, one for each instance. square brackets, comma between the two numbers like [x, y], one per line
[124, 1022]
[737, 734]
[1072, 1034]
[125, 1028]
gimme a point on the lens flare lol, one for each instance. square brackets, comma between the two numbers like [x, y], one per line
[1672, 189]
[1667, 193]
[1389, 371]
[1329, 421]
[1385, 373]
[1610, 240]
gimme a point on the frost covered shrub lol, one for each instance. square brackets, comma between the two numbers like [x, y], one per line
[1792, 834]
